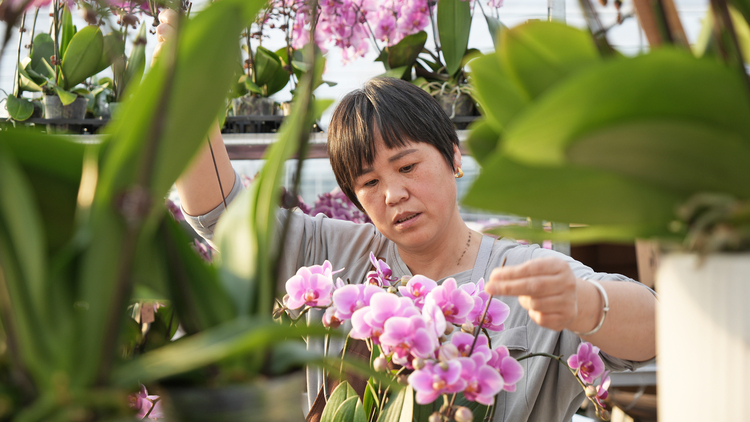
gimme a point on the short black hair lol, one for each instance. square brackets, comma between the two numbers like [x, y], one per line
[403, 113]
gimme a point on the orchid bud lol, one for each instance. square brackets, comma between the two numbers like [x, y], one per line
[463, 414]
[448, 352]
[590, 391]
[442, 339]
[380, 364]
[603, 414]
[403, 379]
[435, 417]
[448, 329]
[467, 327]
[418, 363]
[392, 290]
[405, 280]
[444, 366]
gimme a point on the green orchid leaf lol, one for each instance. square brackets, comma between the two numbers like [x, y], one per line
[540, 54]
[742, 6]
[199, 299]
[251, 87]
[113, 50]
[679, 155]
[28, 82]
[398, 72]
[370, 400]
[663, 86]
[137, 60]
[19, 109]
[499, 96]
[267, 65]
[171, 112]
[454, 26]
[483, 140]
[335, 405]
[67, 31]
[350, 410]
[279, 80]
[405, 52]
[556, 194]
[66, 97]
[234, 338]
[82, 57]
[400, 407]
[496, 29]
[43, 48]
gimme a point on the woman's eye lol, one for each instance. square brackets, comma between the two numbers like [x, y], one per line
[407, 169]
[371, 183]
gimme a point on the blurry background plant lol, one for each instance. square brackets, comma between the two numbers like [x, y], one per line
[83, 235]
[397, 29]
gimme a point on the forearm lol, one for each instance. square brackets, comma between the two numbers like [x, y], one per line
[629, 329]
[198, 186]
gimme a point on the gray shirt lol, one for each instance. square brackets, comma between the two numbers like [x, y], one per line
[547, 392]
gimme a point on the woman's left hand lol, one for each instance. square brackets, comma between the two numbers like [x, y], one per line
[546, 287]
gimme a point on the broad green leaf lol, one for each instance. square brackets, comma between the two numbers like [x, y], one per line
[199, 299]
[482, 140]
[171, 113]
[28, 82]
[279, 80]
[664, 85]
[234, 338]
[82, 57]
[454, 25]
[267, 65]
[67, 31]
[398, 72]
[137, 60]
[584, 235]
[496, 29]
[22, 251]
[19, 109]
[405, 52]
[251, 87]
[370, 400]
[500, 97]
[679, 155]
[742, 6]
[339, 397]
[540, 54]
[44, 48]
[113, 49]
[350, 411]
[66, 97]
[565, 194]
[400, 407]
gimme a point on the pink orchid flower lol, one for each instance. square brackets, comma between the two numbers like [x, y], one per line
[349, 298]
[497, 313]
[417, 289]
[311, 286]
[483, 382]
[369, 321]
[454, 302]
[588, 362]
[432, 380]
[407, 338]
[601, 389]
[382, 276]
[509, 368]
[145, 404]
[463, 342]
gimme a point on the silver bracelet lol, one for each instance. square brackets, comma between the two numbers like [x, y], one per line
[604, 310]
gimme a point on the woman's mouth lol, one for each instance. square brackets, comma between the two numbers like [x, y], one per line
[406, 218]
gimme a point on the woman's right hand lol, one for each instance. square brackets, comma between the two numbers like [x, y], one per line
[168, 19]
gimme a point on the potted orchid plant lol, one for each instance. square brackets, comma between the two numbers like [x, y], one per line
[434, 339]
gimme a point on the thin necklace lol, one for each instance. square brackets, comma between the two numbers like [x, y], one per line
[468, 243]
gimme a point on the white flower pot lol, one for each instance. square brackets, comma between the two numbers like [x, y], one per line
[703, 338]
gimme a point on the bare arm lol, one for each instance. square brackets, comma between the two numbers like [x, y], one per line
[198, 186]
[556, 299]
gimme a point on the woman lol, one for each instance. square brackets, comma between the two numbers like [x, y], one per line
[395, 155]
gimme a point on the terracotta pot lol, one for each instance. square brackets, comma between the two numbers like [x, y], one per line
[703, 337]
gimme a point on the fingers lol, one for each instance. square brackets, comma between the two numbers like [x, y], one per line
[164, 32]
[169, 16]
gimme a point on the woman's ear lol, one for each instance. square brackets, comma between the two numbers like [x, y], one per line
[456, 157]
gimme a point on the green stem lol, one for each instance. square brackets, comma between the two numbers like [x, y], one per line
[17, 79]
[56, 23]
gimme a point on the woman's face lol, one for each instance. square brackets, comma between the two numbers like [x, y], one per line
[409, 193]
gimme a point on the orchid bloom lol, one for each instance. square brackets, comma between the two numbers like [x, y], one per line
[311, 286]
[352, 297]
[508, 367]
[369, 321]
[601, 389]
[463, 342]
[407, 338]
[382, 276]
[417, 289]
[454, 302]
[146, 404]
[483, 382]
[435, 379]
[587, 362]
[497, 313]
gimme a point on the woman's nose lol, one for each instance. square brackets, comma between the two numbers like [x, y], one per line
[395, 193]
